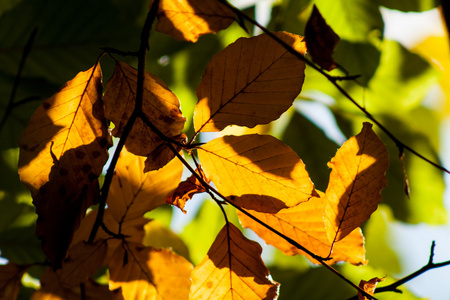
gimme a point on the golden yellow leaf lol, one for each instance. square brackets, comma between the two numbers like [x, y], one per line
[232, 269]
[186, 190]
[148, 273]
[189, 19]
[252, 81]
[304, 224]
[62, 153]
[320, 40]
[10, 280]
[356, 180]
[160, 106]
[82, 261]
[133, 192]
[257, 172]
[53, 289]
[369, 287]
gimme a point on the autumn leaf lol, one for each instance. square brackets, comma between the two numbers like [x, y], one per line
[320, 40]
[252, 81]
[148, 273]
[133, 192]
[82, 261]
[10, 280]
[369, 287]
[356, 180]
[304, 224]
[62, 153]
[53, 289]
[189, 19]
[160, 106]
[257, 172]
[232, 269]
[159, 157]
[186, 190]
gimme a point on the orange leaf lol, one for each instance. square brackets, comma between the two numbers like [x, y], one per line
[233, 269]
[186, 190]
[304, 224]
[82, 261]
[10, 280]
[62, 153]
[252, 81]
[356, 180]
[369, 287]
[189, 19]
[320, 40]
[160, 106]
[148, 273]
[133, 192]
[257, 172]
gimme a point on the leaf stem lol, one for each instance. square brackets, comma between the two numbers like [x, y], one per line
[127, 129]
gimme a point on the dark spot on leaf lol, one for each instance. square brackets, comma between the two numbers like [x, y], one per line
[46, 105]
[63, 172]
[92, 177]
[80, 154]
[96, 154]
[232, 198]
[86, 168]
[209, 284]
[78, 180]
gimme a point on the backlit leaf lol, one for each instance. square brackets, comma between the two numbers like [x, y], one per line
[320, 40]
[189, 19]
[369, 287]
[148, 273]
[257, 172]
[62, 153]
[10, 277]
[304, 223]
[232, 269]
[186, 190]
[252, 81]
[356, 180]
[160, 106]
[133, 192]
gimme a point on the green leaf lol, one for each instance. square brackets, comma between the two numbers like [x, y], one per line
[409, 5]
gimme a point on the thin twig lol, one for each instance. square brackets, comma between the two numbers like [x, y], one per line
[137, 109]
[26, 52]
[334, 80]
[429, 266]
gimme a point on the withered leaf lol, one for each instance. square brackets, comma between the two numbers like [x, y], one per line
[320, 40]
[356, 180]
[189, 19]
[233, 269]
[133, 192]
[369, 287]
[160, 106]
[304, 224]
[257, 172]
[159, 157]
[252, 81]
[148, 273]
[62, 153]
[186, 190]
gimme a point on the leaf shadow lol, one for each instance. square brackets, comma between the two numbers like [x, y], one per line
[258, 203]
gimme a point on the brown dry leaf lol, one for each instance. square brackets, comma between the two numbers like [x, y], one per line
[148, 273]
[369, 287]
[189, 19]
[233, 269]
[252, 81]
[82, 261]
[53, 289]
[304, 223]
[62, 153]
[356, 180]
[320, 40]
[257, 172]
[159, 157]
[10, 280]
[133, 192]
[186, 190]
[160, 106]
